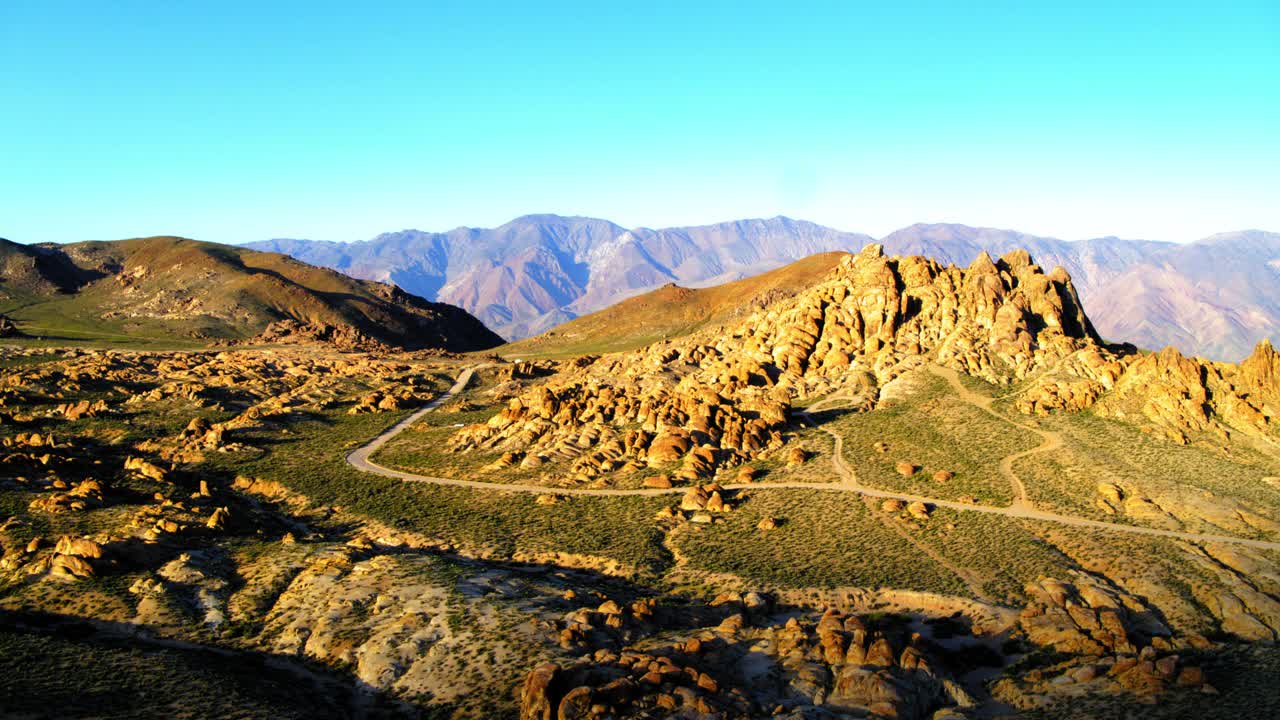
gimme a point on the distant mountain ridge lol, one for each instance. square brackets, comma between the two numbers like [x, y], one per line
[1216, 297]
[538, 271]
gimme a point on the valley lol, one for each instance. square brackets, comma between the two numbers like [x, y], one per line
[892, 489]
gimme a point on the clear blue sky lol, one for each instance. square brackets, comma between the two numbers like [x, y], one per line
[234, 121]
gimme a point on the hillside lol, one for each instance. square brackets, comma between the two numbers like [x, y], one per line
[1217, 296]
[1001, 450]
[542, 270]
[672, 311]
[179, 289]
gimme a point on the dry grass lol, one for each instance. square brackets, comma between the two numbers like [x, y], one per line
[935, 430]
[669, 312]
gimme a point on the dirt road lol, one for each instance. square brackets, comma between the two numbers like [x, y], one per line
[359, 459]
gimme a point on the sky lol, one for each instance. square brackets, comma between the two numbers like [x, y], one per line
[239, 121]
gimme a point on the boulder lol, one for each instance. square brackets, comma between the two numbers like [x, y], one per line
[71, 566]
[796, 456]
[537, 701]
[218, 519]
[146, 468]
[658, 481]
[78, 547]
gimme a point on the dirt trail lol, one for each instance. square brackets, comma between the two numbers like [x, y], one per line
[848, 478]
[1051, 440]
[359, 459]
[849, 481]
[970, 578]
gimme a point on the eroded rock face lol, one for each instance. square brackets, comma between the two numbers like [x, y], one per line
[1244, 599]
[997, 319]
[1165, 393]
[1088, 617]
[717, 399]
[1257, 381]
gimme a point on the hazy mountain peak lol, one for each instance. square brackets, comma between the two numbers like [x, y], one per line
[1262, 237]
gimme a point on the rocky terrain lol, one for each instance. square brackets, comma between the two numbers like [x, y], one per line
[902, 489]
[724, 397]
[1215, 297]
[174, 289]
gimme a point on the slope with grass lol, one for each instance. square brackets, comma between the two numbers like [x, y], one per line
[672, 311]
[184, 290]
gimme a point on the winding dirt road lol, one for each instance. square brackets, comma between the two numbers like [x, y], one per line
[359, 459]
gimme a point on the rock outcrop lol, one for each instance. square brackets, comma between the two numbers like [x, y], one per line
[1165, 393]
[749, 664]
[717, 399]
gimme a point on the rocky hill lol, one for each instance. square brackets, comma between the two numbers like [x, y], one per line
[723, 396]
[1217, 297]
[168, 287]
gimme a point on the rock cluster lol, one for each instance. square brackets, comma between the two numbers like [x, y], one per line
[67, 470]
[82, 409]
[1166, 393]
[341, 337]
[1087, 617]
[614, 414]
[719, 398]
[704, 504]
[996, 320]
[752, 664]
[716, 399]
[1113, 644]
[263, 388]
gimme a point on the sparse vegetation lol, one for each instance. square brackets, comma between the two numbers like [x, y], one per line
[829, 539]
[935, 431]
[1201, 485]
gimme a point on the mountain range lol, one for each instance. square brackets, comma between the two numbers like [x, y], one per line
[538, 271]
[1215, 297]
